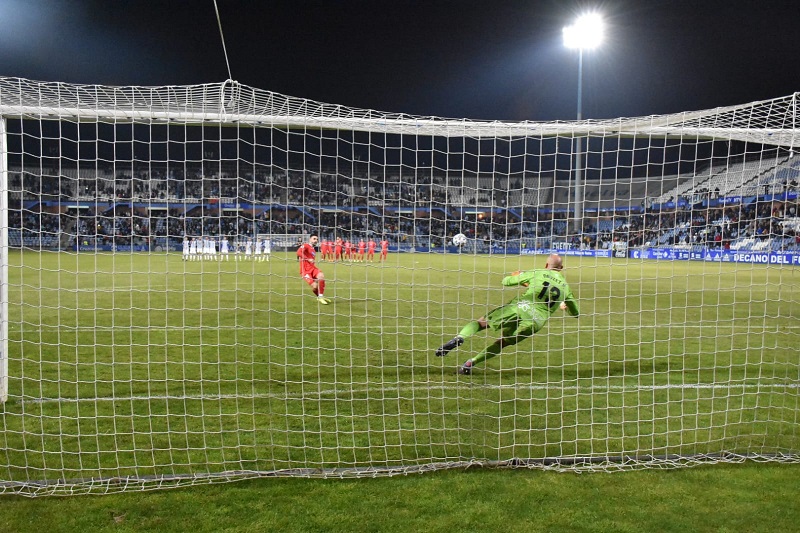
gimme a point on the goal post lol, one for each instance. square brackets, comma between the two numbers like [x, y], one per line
[4, 319]
[124, 367]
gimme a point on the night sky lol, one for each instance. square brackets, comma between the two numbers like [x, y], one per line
[501, 60]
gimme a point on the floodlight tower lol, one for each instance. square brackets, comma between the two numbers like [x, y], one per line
[585, 34]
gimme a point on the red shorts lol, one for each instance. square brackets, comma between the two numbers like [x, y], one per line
[310, 275]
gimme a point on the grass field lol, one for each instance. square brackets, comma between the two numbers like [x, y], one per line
[747, 497]
[146, 366]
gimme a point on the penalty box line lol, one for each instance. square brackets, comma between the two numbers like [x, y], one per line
[593, 389]
[738, 327]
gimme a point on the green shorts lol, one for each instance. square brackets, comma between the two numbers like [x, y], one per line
[513, 322]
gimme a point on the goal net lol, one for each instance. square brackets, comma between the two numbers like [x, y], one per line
[282, 241]
[124, 366]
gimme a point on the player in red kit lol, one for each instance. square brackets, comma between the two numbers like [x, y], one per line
[338, 249]
[348, 251]
[362, 248]
[384, 249]
[371, 250]
[330, 250]
[309, 271]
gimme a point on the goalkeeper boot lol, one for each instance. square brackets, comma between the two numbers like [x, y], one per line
[466, 368]
[455, 342]
[323, 301]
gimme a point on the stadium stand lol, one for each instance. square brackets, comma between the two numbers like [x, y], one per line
[751, 204]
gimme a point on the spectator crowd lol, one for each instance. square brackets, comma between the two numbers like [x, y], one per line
[161, 206]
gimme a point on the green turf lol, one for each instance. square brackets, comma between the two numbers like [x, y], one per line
[720, 498]
[146, 365]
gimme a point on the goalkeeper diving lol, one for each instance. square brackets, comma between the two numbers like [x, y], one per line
[521, 317]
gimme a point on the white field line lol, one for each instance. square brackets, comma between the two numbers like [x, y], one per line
[400, 328]
[313, 394]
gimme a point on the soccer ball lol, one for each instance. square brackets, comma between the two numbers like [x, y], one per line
[459, 239]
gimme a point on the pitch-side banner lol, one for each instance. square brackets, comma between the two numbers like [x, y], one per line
[561, 251]
[723, 256]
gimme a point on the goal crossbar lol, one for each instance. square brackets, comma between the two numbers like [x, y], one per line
[232, 103]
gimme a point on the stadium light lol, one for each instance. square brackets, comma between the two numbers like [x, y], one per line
[585, 34]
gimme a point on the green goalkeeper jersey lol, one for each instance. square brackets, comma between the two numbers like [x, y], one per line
[546, 290]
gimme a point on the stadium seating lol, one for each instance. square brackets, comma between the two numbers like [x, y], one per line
[748, 204]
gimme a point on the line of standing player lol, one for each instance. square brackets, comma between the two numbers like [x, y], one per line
[345, 251]
[207, 248]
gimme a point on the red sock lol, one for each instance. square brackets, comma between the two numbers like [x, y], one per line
[321, 286]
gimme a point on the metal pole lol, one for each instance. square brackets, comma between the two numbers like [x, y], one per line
[579, 152]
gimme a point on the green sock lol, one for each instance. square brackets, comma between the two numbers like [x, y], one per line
[489, 352]
[470, 329]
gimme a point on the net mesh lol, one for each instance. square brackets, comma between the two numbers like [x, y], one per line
[149, 342]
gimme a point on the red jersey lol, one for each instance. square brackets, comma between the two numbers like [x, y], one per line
[307, 254]
[361, 246]
[384, 245]
[371, 245]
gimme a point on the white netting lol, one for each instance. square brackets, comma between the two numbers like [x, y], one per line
[144, 345]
